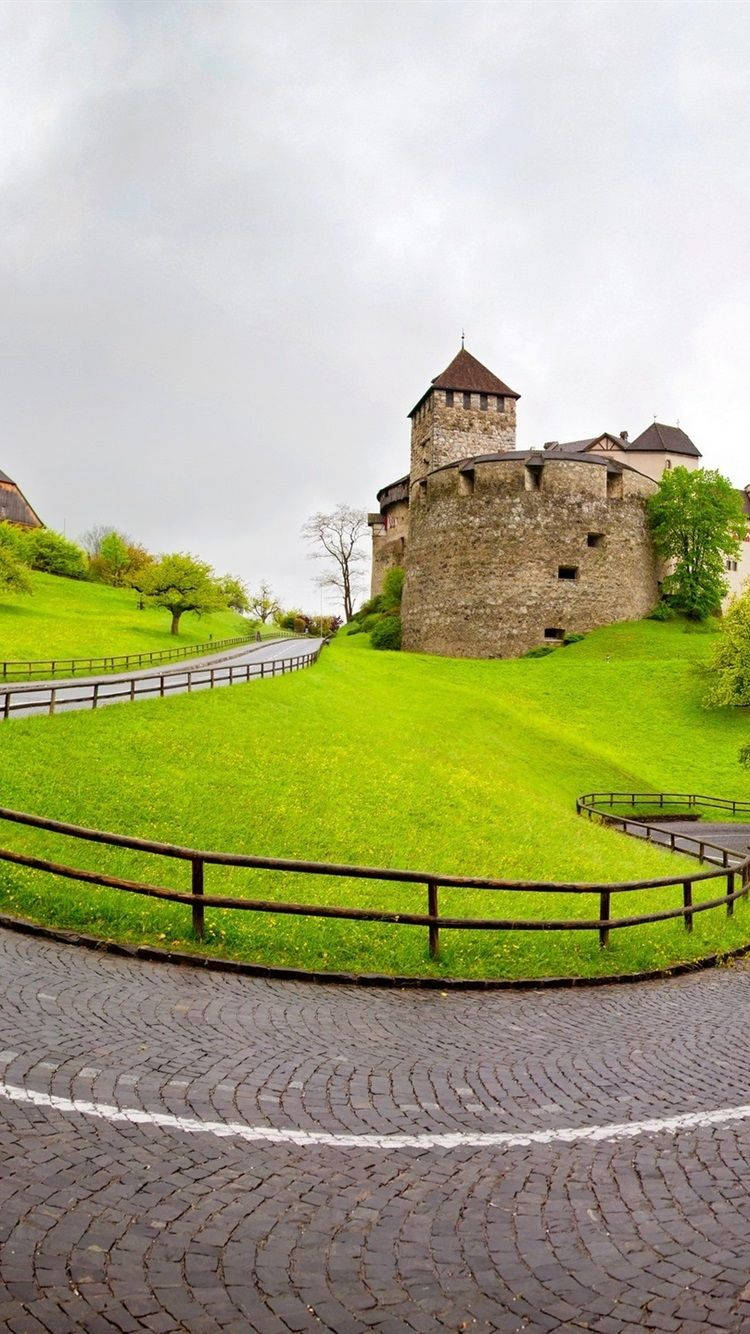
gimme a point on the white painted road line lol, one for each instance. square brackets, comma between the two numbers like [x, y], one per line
[668, 1125]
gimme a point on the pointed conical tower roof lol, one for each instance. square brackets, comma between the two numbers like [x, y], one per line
[467, 374]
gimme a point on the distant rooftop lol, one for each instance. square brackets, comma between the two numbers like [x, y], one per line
[656, 439]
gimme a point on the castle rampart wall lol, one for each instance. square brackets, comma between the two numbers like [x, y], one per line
[501, 552]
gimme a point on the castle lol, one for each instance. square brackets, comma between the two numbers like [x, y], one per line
[504, 549]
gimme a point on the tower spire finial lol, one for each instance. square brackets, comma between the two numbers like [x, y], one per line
[462, 338]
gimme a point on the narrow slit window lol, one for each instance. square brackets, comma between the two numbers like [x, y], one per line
[532, 478]
[614, 485]
[449, 398]
[567, 571]
[483, 402]
[595, 539]
[500, 403]
[467, 400]
[466, 482]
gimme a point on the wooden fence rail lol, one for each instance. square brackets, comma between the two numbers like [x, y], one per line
[732, 874]
[30, 669]
[30, 699]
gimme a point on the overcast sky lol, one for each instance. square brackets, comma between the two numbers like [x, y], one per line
[238, 240]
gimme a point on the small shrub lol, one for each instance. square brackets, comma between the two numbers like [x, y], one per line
[573, 638]
[354, 628]
[743, 755]
[662, 612]
[367, 608]
[54, 554]
[368, 623]
[541, 651]
[387, 633]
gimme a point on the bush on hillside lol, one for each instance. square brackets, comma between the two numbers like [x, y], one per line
[393, 587]
[387, 633]
[353, 628]
[541, 651]
[368, 607]
[13, 539]
[14, 577]
[572, 638]
[368, 623]
[662, 612]
[54, 554]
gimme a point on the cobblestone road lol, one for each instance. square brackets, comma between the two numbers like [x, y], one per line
[107, 1225]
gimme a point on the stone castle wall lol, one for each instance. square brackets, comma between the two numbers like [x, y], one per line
[389, 534]
[441, 433]
[488, 543]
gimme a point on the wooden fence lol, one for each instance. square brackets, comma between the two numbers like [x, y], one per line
[33, 669]
[733, 875]
[32, 699]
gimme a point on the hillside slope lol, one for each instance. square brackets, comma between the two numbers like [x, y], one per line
[68, 618]
[394, 760]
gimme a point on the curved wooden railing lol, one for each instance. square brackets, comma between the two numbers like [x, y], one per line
[34, 699]
[733, 872]
[32, 669]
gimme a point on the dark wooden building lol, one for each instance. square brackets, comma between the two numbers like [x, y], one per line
[14, 507]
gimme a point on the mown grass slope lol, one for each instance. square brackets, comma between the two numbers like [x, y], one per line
[67, 618]
[395, 760]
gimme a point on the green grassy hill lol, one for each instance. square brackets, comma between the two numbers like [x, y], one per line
[66, 618]
[395, 760]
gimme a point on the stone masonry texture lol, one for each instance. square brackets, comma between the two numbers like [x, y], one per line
[488, 543]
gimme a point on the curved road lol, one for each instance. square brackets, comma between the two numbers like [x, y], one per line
[192, 1151]
[75, 692]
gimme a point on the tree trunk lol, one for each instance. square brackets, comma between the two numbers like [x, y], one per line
[176, 622]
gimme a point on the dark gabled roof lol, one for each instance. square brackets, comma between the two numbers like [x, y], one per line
[466, 373]
[660, 439]
[14, 507]
[581, 446]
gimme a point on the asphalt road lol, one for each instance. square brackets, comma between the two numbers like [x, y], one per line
[114, 688]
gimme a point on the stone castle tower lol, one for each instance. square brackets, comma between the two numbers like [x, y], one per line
[466, 411]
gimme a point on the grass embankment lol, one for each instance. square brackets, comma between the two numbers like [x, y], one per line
[395, 760]
[67, 618]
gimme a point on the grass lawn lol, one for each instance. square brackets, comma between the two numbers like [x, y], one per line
[67, 618]
[386, 759]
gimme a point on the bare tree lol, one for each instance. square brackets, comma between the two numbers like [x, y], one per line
[338, 537]
[263, 604]
[92, 539]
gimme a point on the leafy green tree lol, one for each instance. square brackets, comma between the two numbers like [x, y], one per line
[179, 582]
[113, 559]
[235, 594]
[14, 577]
[729, 668]
[697, 521]
[263, 605]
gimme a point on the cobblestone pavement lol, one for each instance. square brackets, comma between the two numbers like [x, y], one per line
[107, 1225]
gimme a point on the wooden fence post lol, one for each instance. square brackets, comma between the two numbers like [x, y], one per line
[196, 889]
[730, 891]
[687, 903]
[604, 918]
[432, 911]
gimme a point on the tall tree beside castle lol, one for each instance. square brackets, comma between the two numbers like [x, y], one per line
[698, 523]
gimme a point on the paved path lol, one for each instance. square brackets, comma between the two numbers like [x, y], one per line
[75, 693]
[157, 1220]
